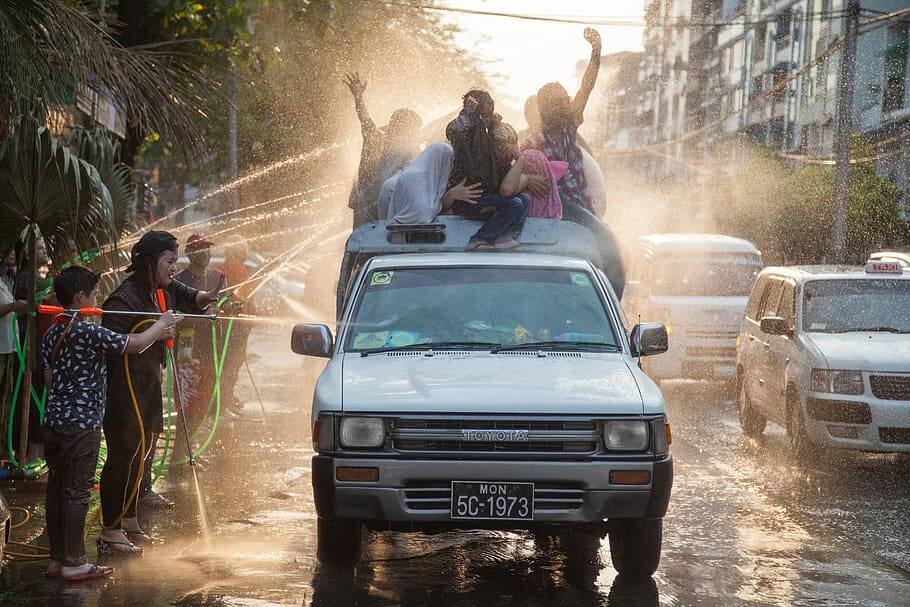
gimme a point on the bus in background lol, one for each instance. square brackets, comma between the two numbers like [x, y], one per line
[698, 286]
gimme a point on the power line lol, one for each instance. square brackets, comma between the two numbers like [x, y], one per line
[592, 19]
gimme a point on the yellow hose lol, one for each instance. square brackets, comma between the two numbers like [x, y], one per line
[142, 445]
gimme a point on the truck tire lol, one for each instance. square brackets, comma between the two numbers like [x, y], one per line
[338, 541]
[803, 448]
[751, 422]
[635, 546]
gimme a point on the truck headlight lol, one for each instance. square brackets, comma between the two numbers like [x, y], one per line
[837, 381]
[626, 435]
[362, 432]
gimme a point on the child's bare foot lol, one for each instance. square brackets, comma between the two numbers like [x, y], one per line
[53, 568]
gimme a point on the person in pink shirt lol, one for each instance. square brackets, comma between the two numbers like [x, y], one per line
[534, 162]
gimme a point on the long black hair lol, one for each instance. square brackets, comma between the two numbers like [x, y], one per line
[144, 267]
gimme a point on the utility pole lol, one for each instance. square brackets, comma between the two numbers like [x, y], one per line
[843, 130]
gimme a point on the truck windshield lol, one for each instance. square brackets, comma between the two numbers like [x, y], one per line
[702, 277]
[843, 306]
[464, 306]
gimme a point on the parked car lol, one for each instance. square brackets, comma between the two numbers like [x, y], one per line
[486, 390]
[697, 286]
[825, 352]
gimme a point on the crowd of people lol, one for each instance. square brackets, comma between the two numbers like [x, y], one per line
[83, 365]
[486, 171]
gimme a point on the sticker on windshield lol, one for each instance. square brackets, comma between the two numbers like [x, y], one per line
[819, 326]
[381, 278]
[580, 279]
[366, 341]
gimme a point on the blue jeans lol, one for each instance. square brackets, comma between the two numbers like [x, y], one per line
[508, 214]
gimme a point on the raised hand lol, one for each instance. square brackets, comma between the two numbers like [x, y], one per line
[593, 37]
[355, 84]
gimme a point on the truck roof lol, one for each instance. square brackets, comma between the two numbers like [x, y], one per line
[450, 234]
[692, 243]
[830, 272]
[492, 259]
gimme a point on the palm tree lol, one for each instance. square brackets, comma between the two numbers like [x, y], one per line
[47, 192]
[48, 47]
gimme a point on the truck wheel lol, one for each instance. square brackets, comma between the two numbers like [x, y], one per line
[338, 541]
[803, 447]
[635, 546]
[752, 423]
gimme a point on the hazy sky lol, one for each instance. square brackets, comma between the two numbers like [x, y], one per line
[529, 54]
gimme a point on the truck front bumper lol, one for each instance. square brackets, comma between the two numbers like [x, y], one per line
[417, 491]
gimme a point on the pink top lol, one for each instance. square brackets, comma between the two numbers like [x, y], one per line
[534, 162]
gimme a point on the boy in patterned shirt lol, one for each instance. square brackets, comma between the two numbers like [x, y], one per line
[73, 358]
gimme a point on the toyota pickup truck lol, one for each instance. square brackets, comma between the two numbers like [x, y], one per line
[487, 391]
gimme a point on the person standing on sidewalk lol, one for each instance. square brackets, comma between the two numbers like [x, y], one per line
[73, 360]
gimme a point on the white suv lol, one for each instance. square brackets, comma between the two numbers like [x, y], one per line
[825, 352]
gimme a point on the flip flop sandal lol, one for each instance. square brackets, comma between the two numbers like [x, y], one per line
[109, 548]
[95, 571]
[139, 537]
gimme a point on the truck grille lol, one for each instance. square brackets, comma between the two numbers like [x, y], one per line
[711, 334]
[711, 351]
[544, 437]
[890, 387]
[894, 436]
[437, 496]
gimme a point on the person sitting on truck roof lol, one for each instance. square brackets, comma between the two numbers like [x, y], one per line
[534, 162]
[385, 151]
[418, 193]
[472, 135]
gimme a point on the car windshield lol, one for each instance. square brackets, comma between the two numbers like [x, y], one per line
[839, 306]
[702, 277]
[480, 306]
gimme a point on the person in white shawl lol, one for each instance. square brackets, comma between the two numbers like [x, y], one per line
[417, 193]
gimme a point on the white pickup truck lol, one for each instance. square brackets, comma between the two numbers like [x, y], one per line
[487, 390]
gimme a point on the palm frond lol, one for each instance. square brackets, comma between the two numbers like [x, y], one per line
[47, 47]
[44, 185]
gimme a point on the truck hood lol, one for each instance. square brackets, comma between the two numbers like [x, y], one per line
[863, 351]
[480, 382]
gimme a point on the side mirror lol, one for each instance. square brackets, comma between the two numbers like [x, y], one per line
[312, 340]
[648, 339]
[774, 325]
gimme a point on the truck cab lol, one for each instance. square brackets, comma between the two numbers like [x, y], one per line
[485, 390]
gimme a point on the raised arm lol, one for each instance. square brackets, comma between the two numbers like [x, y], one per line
[590, 77]
[357, 88]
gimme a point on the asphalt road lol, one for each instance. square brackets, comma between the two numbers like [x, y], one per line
[747, 526]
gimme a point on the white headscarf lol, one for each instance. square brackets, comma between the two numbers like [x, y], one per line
[417, 191]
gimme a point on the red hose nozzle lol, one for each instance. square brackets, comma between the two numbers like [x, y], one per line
[163, 305]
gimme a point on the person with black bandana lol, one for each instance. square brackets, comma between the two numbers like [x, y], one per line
[152, 266]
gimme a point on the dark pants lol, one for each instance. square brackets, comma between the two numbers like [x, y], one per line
[610, 252]
[71, 461]
[118, 477]
[508, 214]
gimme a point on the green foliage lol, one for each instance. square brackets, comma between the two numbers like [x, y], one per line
[101, 150]
[45, 187]
[787, 211]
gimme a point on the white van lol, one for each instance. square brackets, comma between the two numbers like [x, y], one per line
[697, 285]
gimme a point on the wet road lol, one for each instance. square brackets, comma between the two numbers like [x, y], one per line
[747, 526]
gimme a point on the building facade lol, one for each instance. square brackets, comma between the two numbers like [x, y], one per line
[715, 71]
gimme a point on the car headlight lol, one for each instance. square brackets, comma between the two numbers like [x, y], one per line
[626, 435]
[362, 432]
[837, 381]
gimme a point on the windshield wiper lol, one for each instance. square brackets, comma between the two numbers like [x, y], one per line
[569, 345]
[871, 330]
[436, 345]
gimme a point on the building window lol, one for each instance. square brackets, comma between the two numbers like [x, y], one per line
[895, 64]
[784, 19]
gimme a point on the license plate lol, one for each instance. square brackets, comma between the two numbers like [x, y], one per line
[482, 500]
